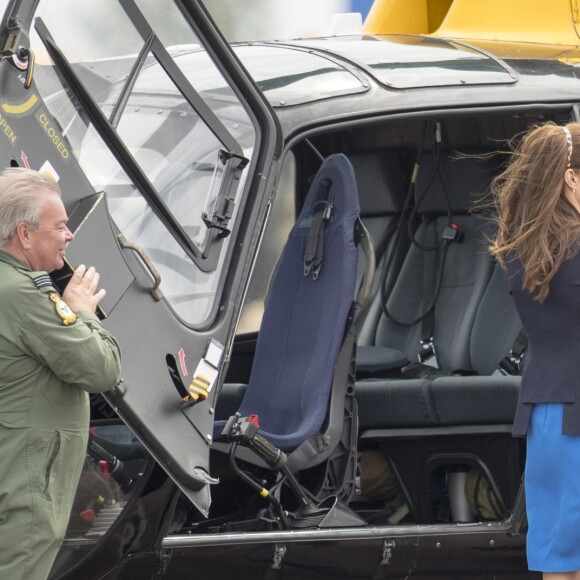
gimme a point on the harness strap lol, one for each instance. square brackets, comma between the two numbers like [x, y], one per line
[427, 354]
[314, 252]
[433, 275]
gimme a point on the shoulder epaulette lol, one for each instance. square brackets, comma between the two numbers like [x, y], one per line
[42, 281]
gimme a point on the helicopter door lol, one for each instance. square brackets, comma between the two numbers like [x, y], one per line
[160, 141]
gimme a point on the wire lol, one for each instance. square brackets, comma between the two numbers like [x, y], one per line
[385, 294]
[316, 151]
[257, 487]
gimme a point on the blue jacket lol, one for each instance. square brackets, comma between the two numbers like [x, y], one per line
[551, 369]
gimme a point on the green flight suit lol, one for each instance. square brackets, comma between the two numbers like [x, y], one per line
[48, 365]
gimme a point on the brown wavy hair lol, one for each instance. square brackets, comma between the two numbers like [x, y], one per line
[535, 222]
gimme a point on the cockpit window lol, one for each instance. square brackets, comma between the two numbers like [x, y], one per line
[188, 151]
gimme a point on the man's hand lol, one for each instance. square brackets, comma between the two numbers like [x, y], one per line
[80, 293]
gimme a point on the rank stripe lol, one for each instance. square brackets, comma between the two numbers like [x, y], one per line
[42, 281]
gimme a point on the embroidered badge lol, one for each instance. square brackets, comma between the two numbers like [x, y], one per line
[63, 309]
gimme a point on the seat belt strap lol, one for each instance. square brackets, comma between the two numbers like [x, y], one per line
[427, 353]
[314, 252]
[434, 256]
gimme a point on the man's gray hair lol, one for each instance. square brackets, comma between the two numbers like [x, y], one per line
[20, 191]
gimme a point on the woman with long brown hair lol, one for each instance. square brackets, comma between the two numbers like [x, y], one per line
[538, 242]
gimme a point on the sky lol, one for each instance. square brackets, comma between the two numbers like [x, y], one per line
[279, 19]
[362, 6]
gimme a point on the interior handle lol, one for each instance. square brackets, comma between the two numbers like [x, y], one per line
[155, 291]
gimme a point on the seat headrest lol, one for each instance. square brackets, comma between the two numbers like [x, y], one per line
[336, 170]
[466, 176]
[381, 181]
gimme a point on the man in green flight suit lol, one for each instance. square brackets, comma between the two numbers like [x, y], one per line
[53, 351]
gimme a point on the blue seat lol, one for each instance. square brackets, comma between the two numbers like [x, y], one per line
[302, 370]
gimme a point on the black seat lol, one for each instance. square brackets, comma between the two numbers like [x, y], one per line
[421, 424]
[447, 188]
[382, 182]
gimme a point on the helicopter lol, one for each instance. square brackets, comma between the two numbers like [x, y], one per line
[185, 164]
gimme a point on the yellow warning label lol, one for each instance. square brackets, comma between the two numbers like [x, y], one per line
[52, 133]
[7, 130]
[20, 108]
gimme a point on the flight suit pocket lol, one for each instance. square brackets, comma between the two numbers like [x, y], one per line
[51, 456]
[64, 471]
[55, 460]
[43, 451]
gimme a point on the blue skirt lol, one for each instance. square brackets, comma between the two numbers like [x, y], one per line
[552, 492]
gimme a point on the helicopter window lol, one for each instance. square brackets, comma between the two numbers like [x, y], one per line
[288, 76]
[167, 138]
[185, 150]
[403, 62]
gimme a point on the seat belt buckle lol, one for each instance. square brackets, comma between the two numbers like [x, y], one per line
[312, 268]
[327, 213]
[510, 365]
[427, 352]
[452, 233]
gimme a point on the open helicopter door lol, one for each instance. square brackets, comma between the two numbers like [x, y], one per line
[159, 140]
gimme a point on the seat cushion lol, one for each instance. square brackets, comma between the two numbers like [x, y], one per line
[384, 404]
[489, 400]
[444, 401]
[375, 360]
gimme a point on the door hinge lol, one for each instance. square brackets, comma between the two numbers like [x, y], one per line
[387, 554]
[163, 562]
[382, 571]
[273, 572]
